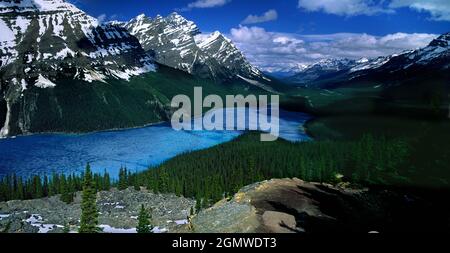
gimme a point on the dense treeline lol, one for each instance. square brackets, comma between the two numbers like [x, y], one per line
[209, 175]
[15, 187]
[222, 170]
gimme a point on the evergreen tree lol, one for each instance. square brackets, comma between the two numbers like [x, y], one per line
[136, 185]
[106, 181]
[164, 180]
[45, 186]
[123, 184]
[66, 193]
[198, 204]
[38, 191]
[66, 228]
[20, 193]
[89, 213]
[143, 221]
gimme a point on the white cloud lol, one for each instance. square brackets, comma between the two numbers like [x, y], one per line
[275, 51]
[269, 15]
[439, 9]
[344, 7]
[102, 18]
[207, 3]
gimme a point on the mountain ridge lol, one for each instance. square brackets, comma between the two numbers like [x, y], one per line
[435, 56]
[59, 65]
[178, 43]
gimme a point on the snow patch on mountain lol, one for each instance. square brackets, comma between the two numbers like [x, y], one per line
[43, 82]
[365, 64]
[7, 44]
[66, 37]
[178, 43]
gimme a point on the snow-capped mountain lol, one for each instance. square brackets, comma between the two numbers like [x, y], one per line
[63, 70]
[178, 43]
[43, 42]
[321, 69]
[367, 64]
[44, 38]
[288, 70]
[434, 57]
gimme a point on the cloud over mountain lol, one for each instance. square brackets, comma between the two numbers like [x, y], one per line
[272, 50]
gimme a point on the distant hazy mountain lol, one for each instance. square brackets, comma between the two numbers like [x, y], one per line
[333, 72]
[321, 69]
[285, 71]
[435, 56]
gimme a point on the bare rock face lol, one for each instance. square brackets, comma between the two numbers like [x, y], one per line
[267, 207]
[279, 222]
[295, 206]
[227, 217]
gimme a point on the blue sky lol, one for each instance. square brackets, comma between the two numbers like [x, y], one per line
[387, 25]
[290, 17]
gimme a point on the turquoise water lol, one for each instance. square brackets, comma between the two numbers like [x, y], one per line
[137, 149]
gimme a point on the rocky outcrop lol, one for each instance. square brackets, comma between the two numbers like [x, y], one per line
[295, 206]
[274, 206]
[118, 212]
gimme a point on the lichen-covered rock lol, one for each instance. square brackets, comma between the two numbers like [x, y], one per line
[230, 217]
[117, 209]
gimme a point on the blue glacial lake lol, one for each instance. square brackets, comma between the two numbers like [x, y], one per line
[137, 148]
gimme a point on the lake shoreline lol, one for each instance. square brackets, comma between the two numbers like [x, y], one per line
[136, 148]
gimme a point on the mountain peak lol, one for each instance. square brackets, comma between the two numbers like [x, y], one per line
[441, 41]
[141, 16]
[68, 40]
[178, 43]
[36, 5]
[204, 41]
[174, 14]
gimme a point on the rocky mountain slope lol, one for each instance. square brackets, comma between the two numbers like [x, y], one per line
[321, 69]
[47, 44]
[47, 37]
[64, 71]
[434, 57]
[178, 43]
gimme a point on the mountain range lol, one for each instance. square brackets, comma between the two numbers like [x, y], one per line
[178, 43]
[63, 70]
[329, 72]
